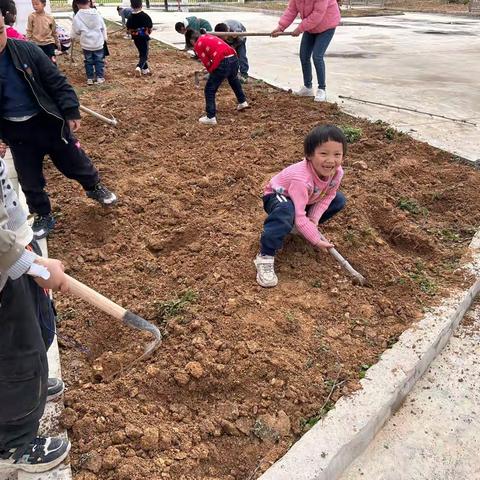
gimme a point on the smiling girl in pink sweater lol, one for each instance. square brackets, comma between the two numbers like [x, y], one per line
[319, 20]
[302, 195]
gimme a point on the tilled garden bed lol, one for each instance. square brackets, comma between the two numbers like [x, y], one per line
[243, 371]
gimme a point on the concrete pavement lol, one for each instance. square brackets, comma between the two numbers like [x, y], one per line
[423, 61]
[436, 433]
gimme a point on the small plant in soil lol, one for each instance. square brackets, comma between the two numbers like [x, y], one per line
[363, 370]
[392, 341]
[390, 133]
[173, 308]
[411, 206]
[353, 134]
[307, 423]
[427, 285]
[449, 235]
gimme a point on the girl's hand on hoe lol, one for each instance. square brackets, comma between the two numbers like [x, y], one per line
[3, 149]
[323, 245]
[58, 280]
[74, 124]
[296, 32]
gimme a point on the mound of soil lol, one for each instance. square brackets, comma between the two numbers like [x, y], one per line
[242, 371]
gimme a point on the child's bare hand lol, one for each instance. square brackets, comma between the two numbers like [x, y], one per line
[3, 149]
[324, 245]
[58, 279]
[74, 125]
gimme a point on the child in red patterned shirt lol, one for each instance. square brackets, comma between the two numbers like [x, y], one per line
[221, 62]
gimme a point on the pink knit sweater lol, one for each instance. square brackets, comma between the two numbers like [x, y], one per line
[317, 15]
[302, 185]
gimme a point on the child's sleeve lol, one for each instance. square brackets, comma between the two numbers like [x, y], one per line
[298, 192]
[319, 208]
[104, 30]
[54, 33]
[14, 259]
[149, 23]
[202, 54]
[289, 15]
[29, 26]
[75, 32]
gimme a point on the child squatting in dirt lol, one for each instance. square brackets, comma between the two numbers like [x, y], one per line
[302, 196]
[221, 62]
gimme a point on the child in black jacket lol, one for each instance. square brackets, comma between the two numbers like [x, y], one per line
[39, 114]
[139, 26]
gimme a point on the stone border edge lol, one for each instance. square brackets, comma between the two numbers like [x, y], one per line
[325, 451]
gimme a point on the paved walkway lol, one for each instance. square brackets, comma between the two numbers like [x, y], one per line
[423, 61]
[436, 433]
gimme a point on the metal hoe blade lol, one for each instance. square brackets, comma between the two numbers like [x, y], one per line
[135, 321]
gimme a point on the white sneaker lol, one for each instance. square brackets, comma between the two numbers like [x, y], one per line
[305, 92]
[242, 106]
[89, 81]
[138, 71]
[208, 121]
[100, 80]
[146, 71]
[321, 96]
[265, 271]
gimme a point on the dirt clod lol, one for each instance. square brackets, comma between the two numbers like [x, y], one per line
[194, 369]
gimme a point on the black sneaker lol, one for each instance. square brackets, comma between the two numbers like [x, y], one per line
[102, 195]
[41, 455]
[43, 225]
[55, 388]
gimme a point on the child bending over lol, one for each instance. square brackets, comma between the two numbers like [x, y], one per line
[41, 29]
[192, 23]
[302, 195]
[90, 28]
[139, 26]
[221, 62]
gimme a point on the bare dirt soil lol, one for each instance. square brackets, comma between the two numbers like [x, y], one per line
[243, 371]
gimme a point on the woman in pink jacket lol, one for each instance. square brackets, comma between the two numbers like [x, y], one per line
[319, 20]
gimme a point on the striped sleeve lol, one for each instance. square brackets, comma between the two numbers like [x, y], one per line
[298, 192]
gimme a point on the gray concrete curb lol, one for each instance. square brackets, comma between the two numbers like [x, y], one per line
[332, 444]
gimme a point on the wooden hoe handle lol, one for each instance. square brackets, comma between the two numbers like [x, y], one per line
[96, 299]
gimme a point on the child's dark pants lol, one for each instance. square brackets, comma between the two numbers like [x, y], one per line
[23, 360]
[142, 46]
[49, 50]
[228, 69]
[281, 218]
[30, 141]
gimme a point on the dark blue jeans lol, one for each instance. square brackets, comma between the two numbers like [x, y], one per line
[228, 69]
[281, 218]
[241, 50]
[141, 42]
[314, 44]
[94, 63]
